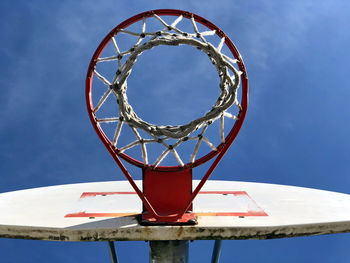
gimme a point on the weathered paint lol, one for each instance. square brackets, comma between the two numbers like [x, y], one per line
[175, 233]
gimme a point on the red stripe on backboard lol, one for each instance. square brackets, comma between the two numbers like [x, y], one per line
[249, 213]
[92, 194]
[225, 192]
[83, 214]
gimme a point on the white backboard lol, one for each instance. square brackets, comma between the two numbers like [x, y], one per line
[225, 209]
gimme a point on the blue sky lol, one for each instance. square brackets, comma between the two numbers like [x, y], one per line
[296, 131]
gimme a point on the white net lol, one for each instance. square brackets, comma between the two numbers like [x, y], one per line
[169, 35]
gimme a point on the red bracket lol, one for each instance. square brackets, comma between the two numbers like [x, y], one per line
[169, 193]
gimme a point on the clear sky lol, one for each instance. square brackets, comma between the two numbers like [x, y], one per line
[296, 132]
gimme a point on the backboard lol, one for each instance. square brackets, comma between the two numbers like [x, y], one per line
[106, 211]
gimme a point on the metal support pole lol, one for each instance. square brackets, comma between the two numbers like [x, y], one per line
[216, 251]
[174, 251]
[112, 252]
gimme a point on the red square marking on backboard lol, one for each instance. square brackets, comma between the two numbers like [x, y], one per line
[94, 204]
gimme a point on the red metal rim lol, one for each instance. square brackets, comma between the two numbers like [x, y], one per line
[244, 95]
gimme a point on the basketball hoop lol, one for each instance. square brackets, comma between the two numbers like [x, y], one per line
[231, 104]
